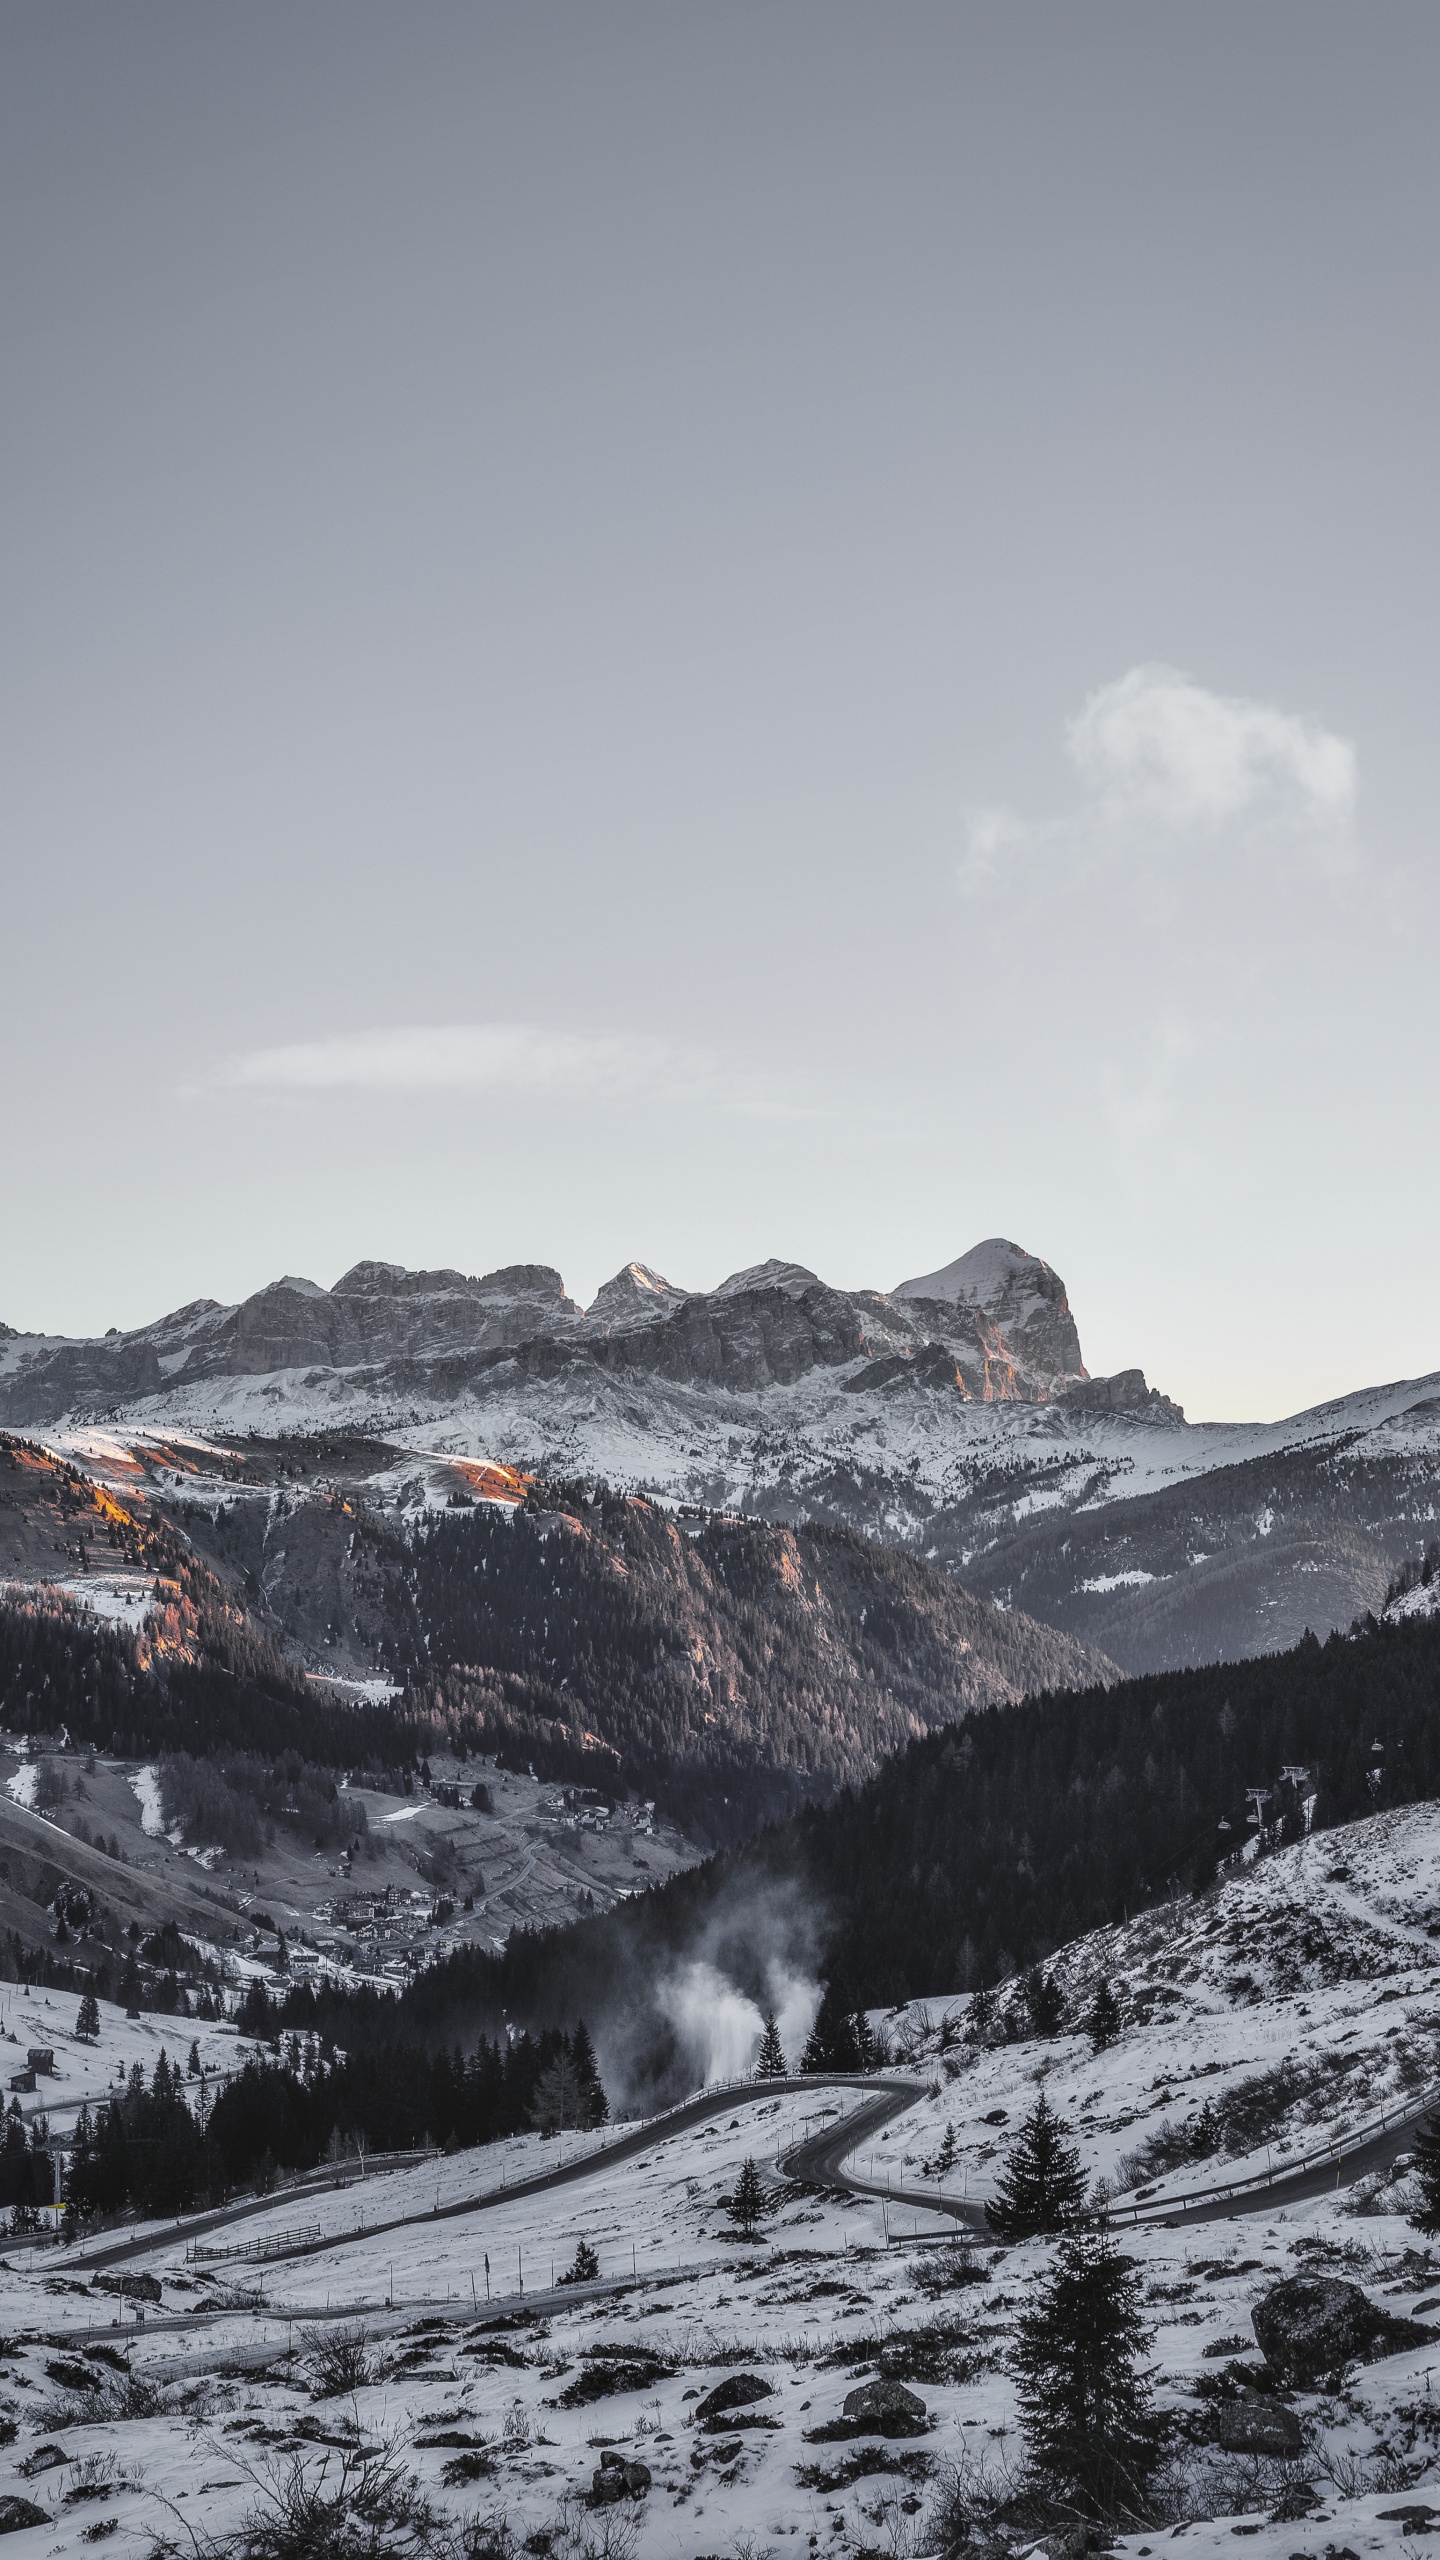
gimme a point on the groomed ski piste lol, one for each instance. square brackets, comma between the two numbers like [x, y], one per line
[1298, 1999]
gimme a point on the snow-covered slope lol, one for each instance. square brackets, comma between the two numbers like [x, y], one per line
[494, 2393]
[952, 1415]
[1295, 2001]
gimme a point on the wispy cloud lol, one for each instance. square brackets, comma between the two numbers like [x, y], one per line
[1207, 867]
[1166, 767]
[521, 1059]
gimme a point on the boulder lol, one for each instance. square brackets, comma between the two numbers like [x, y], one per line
[735, 2392]
[17, 2513]
[885, 2409]
[46, 2457]
[1253, 2425]
[618, 2478]
[1312, 2326]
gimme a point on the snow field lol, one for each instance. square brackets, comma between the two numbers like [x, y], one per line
[1310, 1955]
[1318, 1957]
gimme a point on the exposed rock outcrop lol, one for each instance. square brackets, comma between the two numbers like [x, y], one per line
[994, 1326]
[1310, 2327]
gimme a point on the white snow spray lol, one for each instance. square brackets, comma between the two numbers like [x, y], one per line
[719, 2027]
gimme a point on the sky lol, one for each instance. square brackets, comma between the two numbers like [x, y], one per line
[691, 634]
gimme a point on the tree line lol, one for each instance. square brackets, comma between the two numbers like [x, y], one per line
[975, 1852]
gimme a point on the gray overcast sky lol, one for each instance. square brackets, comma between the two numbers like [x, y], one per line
[696, 633]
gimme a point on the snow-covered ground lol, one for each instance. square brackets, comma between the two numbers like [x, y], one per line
[498, 2400]
[86, 2072]
[711, 1444]
[1314, 1971]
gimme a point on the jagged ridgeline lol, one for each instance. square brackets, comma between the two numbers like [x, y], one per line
[976, 1851]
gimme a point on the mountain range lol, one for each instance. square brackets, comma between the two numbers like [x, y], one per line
[951, 1415]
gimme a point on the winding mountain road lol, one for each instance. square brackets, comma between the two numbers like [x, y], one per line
[819, 2160]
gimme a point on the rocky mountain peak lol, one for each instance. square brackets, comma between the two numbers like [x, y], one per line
[791, 1277]
[1016, 1295]
[636, 1295]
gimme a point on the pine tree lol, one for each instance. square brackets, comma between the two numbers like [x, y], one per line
[1042, 2185]
[748, 2205]
[833, 2043]
[1425, 2155]
[1042, 1998]
[1205, 2132]
[1103, 2024]
[770, 2062]
[192, 2067]
[1084, 2404]
[982, 2014]
[87, 2024]
[584, 2267]
[593, 2105]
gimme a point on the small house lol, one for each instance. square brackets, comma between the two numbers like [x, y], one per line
[41, 2057]
[23, 2080]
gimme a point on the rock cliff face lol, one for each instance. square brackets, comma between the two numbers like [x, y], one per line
[994, 1326]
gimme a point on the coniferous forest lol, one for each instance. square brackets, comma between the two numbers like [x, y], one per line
[976, 1851]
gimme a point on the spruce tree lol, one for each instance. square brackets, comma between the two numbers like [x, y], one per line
[747, 2206]
[584, 2267]
[833, 2042]
[594, 2106]
[87, 2024]
[770, 2062]
[1042, 1998]
[1103, 2024]
[1084, 2403]
[1042, 2185]
[1425, 2156]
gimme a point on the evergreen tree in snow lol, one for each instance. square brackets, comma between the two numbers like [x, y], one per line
[88, 2022]
[770, 2062]
[594, 2105]
[1102, 2026]
[834, 2040]
[1084, 2403]
[748, 2205]
[1042, 1999]
[1042, 2186]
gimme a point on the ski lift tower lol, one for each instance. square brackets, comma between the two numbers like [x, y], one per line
[1259, 1797]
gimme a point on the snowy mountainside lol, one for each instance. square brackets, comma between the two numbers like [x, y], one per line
[1293, 2001]
[494, 2393]
[951, 1415]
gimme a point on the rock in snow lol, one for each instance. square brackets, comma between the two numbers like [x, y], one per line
[1312, 2326]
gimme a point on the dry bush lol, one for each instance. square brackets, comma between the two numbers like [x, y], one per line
[340, 2362]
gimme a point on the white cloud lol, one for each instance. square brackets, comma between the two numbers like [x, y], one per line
[1157, 745]
[517, 1058]
[1163, 762]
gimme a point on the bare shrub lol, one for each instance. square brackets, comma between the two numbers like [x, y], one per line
[340, 2362]
[1353, 2475]
[1197, 2482]
[359, 2504]
[128, 2396]
[592, 2533]
[941, 2270]
[973, 2493]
